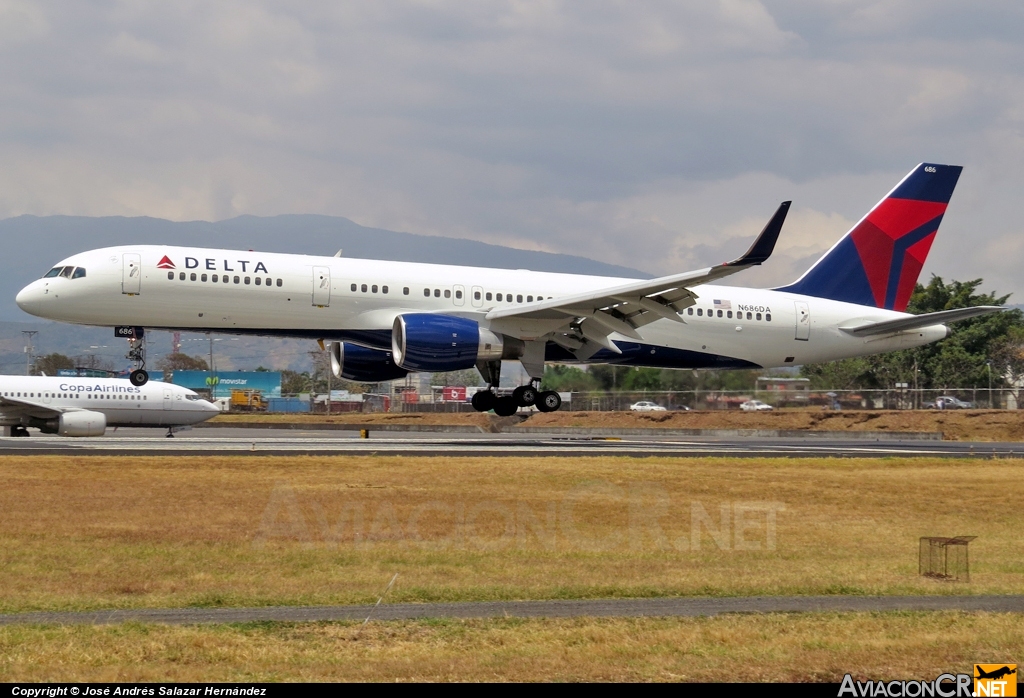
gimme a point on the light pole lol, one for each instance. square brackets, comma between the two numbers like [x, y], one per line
[29, 349]
[988, 365]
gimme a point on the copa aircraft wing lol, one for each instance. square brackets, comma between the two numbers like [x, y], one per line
[914, 322]
[625, 308]
[37, 409]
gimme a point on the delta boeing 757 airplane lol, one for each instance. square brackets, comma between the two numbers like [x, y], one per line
[386, 319]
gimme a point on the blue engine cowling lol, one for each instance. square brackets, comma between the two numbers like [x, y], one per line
[356, 363]
[425, 342]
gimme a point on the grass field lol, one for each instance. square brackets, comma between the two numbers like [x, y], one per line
[812, 647]
[117, 532]
[966, 425]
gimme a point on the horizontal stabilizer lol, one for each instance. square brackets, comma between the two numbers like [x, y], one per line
[913, 322]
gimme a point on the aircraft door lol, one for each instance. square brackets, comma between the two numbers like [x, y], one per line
[131, 273]
[168, 399]
[478, 296]
[460, 295]
[321, 287]
[803, 320]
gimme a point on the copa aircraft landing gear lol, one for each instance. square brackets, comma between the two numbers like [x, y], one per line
[136, 353]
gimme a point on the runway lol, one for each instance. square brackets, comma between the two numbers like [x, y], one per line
[254, 442]
[622, 608]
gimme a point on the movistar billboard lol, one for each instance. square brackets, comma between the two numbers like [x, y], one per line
[268, 383]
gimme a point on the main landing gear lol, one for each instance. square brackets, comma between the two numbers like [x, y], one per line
[523, 396]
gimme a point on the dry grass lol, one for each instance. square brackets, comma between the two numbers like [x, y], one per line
[89, 532]
[813, 647]
[432, 418]
[967, 425]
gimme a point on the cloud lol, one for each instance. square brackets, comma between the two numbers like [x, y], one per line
[658, 135]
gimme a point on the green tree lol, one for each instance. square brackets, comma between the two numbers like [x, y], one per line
[639, 378]
[293, 382]
[562, 378]
[182, 362]
[467, 377]
[1008, 360]
[51, 363]
[959, 361]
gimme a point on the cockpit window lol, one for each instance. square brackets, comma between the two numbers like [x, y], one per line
[66, 272]
[79, 273]
[52, 273]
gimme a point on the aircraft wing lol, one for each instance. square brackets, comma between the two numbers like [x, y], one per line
[915, 321]
[624, 308]
[18, 404]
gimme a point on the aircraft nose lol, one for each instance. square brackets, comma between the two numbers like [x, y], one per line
[30, 298]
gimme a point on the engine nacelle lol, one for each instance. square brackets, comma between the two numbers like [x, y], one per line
[356, 363]
[77, 423]
[425, 342]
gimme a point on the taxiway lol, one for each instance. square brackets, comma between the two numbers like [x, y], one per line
[252, 442]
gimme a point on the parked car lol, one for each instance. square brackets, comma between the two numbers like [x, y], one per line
[948, 402]
[646, 406]
[755, 406]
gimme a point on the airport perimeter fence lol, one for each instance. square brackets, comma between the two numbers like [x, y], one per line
[891, 399]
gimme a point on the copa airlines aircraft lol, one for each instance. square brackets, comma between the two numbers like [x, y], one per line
[386, 319]
[87, 406]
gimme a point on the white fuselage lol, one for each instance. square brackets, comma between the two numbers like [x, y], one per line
[357, 300]
[155, 404]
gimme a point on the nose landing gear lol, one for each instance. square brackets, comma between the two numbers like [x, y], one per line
[136, 353]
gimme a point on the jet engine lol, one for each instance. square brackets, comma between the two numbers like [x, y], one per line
[356, 363]
[76, 423]
[425, 342]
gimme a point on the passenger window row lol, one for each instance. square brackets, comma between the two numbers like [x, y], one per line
[76, 396]
[728, 314]
[224, 278]
[506, 297]
[372, 289]
[438, 293]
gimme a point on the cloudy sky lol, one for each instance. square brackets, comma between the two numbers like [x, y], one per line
[657, 135]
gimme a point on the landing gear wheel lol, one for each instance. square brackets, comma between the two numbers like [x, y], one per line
[505, 406]
[138, 377]
[483, 400]
[19, 431]
[548, 401]
[525, 395]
